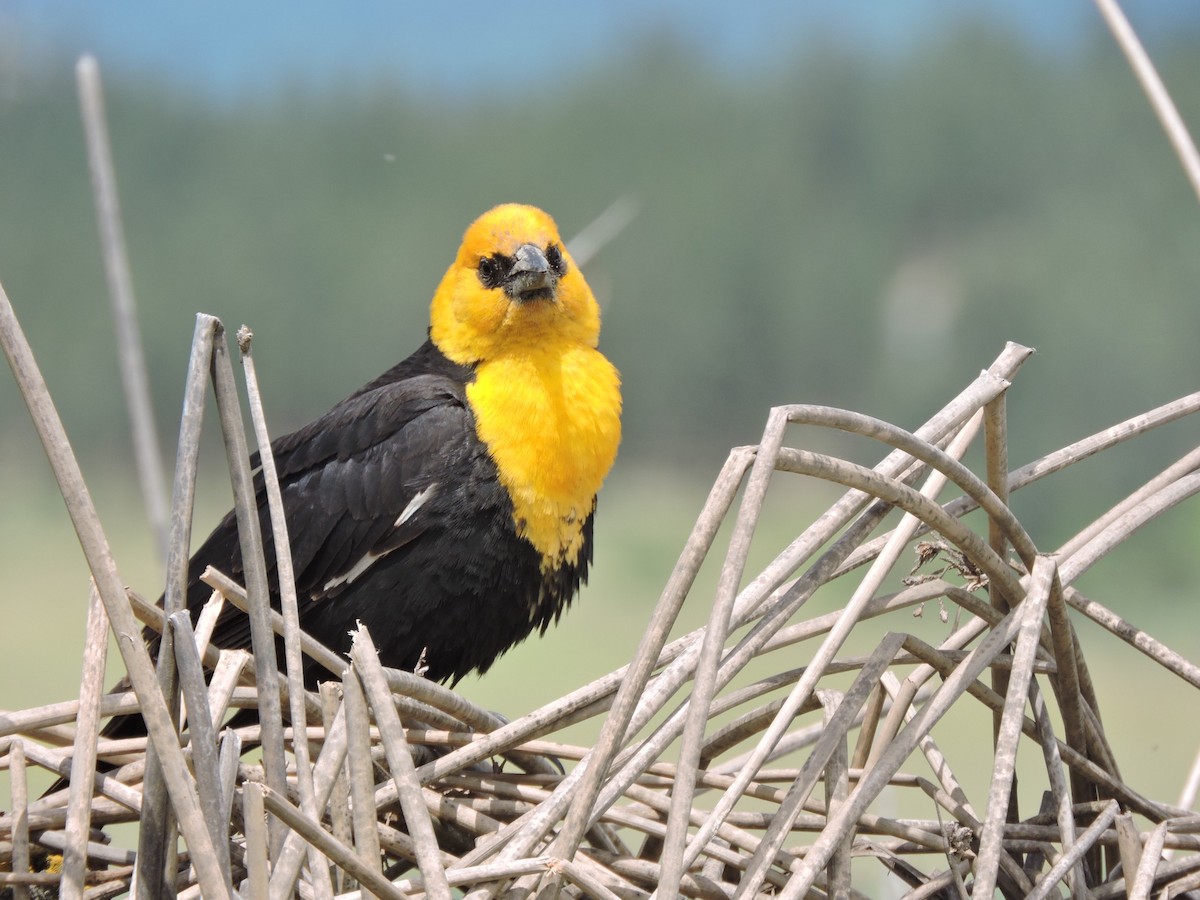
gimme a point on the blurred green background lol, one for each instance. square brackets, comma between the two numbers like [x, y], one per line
[833, 205]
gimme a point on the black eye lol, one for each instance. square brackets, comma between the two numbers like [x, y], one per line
[492, 269]
[554, 256]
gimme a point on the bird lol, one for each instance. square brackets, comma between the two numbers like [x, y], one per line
[448, 504]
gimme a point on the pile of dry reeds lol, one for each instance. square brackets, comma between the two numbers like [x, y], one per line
[397, 785]
[723, 767]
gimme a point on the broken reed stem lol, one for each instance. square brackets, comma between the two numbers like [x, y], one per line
[254, 565]
[286, 581]
[156, 831]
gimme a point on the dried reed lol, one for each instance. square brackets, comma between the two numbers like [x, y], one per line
[704, 779]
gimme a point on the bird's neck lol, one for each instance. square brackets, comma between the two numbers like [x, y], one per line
[551, 421]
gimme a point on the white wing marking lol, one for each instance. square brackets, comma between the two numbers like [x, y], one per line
[365, 563]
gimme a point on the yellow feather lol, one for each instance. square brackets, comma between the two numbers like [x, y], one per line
[547, 404]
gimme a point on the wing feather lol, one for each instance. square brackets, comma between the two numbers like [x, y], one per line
[346, 481]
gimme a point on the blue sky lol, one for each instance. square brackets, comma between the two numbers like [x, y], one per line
[229, 49]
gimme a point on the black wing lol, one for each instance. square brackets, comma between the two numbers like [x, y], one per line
[353, 485]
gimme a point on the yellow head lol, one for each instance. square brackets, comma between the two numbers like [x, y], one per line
[512, 285]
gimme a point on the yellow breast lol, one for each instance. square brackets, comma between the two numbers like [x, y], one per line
[551, 419]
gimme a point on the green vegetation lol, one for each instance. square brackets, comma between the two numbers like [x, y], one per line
[841, 231]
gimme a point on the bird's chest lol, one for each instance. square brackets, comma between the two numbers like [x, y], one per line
[551, 423]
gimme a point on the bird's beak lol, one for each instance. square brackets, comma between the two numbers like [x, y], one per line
[531, 277]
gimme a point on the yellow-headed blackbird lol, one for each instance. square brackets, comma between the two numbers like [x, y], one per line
[448, 504]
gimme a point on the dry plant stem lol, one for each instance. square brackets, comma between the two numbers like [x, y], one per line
[1011, 719]
[1178, 887]
[416, 815]
[996, 465]
[105, 784]
[1143, 878]
[638, 673]
[266, 667]
[904, 694]
[83, 763]
[634, 761]
[887, 558]
[293, 664]
[904, 699]
[1061, 459]
[889, 763]
[206, 622]
[988, 385]
[831, 737]
[1159, 652]
[361, 771]
[283, 555]
[1060, 790]
[911, 596]
[1124, 526]
[870, 722]
[501, 871]
[146, 451]
[236, 595]
[1135, 426]
[1187, 796]
[1156, 92]
[228, 754]
[946, 462]
[203, 742]
[804, 687]
[286, 864]
[1128, 842]
[837, 789]
[109, 583]
[1067, 690]
[819, 465]
[254, 823]
[337, 852]
[704, 686]
[757, 598]
[1181, 467]
[1074, 759]
[964, 816]
[223, 684]
[781, 609]
[19, 795]
[1087, 839]
[156, 832]
[339, 798]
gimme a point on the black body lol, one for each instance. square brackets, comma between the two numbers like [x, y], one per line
[452, 580]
